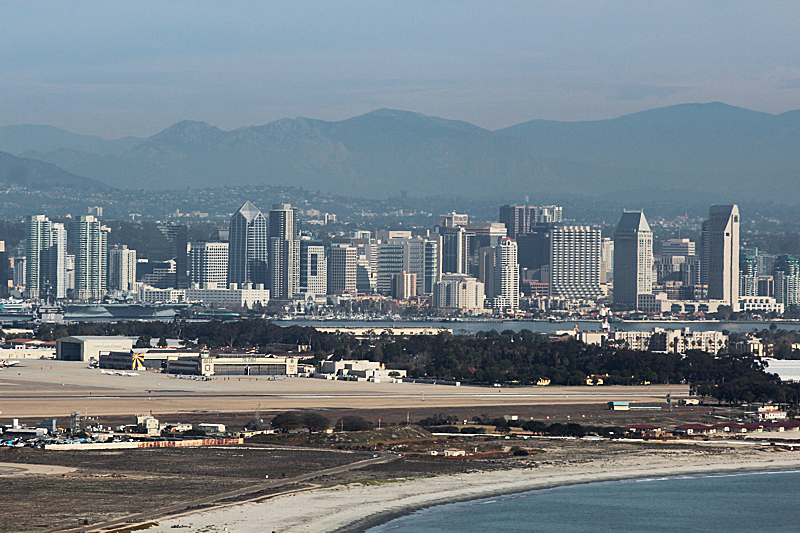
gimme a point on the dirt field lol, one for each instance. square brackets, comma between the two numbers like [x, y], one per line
[113, 484]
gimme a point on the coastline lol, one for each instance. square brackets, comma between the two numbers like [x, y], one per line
[356, 507]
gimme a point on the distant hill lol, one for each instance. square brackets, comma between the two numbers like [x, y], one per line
[33, 138]
[20, 172]
[712, 149]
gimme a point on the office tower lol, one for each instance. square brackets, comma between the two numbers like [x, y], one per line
[20, 271]
[38, 245]
[787, 280]
[168, 241]
[506, 276]
[574, 266]
[533, 249]
[283, 257]
[367, 259]
[247, 246]
[5, 270]
[681, 247]
[549, 214]
[482, 236]
[91, 258]
[121, 268]
[313, 267]
[418, 256]
[70, 283]
[46, 252]
[404, 286]
[458, 291]
[606, 260]
[720, 239]
[633, 259]
[454, 245]
[342, 268]
[208, 263]
[486, 257]
[453, 220]
[517, 218]
[748, 275]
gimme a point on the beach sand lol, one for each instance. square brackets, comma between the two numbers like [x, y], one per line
[354, 507]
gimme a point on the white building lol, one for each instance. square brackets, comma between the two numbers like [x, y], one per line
[313, 267]
[283, 259]
[121, 268]
[342, 268]
[506, 276]
[721, 254]
[91, 259]
[246, 295]
[760, 304]
[633, 259]
[575, 263]
[46, 253]
[459, 291]
[208, 263]
[418, 256]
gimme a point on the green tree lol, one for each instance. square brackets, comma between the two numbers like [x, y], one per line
[315, 422]
[286, 422]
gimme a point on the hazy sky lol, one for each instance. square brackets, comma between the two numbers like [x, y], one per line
[117, 68]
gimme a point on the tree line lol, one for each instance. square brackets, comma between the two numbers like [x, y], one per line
[488, 357]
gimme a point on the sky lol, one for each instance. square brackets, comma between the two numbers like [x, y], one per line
[117, 68]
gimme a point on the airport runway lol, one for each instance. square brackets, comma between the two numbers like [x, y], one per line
[57, 388]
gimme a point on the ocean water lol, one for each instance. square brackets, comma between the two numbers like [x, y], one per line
[743, 502]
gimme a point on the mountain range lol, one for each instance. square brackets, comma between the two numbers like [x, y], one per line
[710, 149]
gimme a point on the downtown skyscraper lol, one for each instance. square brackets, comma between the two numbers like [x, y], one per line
[91, 259]
[720, 249]
[247, 246]
[46, 264]
[506, 276]
[284, 252]
[633, 259]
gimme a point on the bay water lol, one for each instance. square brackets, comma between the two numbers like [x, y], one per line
[741, 502]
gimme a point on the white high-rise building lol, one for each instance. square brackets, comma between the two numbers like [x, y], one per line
[121, 268]
[46, 264]
[721, 254]
[91, 259]
[313, 267]
[342, 268]
[247, 246]
[633, 259]
[283, 258]
[208, 263]
[606, 260]
[506, 276]
[418, 256]
[575, 262]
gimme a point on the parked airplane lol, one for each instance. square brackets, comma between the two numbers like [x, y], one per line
[5, 363]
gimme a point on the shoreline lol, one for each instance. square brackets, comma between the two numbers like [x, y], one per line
[378, 519]
[356, 507]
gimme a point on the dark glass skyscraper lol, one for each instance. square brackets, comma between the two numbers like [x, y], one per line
[247, 246]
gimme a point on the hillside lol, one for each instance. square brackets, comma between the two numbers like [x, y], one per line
[19, 172]
[710, 149]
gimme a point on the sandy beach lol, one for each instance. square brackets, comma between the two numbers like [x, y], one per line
[354, 507]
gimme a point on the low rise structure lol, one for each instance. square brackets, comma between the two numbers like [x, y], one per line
[86, 347]
[205, 364]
